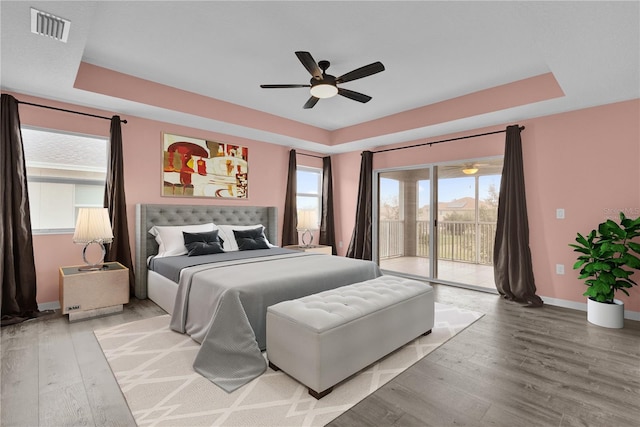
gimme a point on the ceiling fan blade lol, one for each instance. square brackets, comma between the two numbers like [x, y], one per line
[311, 102]
[356, 96]
[361, 72]
[282, 86]
[310, 64]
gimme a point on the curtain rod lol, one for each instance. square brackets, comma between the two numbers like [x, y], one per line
[69, 111]
[309, 155]
[444, 140]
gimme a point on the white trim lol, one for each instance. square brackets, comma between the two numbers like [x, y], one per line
[51, 305]
[582, 306]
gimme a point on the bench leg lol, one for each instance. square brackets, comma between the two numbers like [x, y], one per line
[274, 367]
[427, 333]
[321, 394]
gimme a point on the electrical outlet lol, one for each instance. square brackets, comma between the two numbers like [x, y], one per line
[560, 213]
[340, 244]
[559, 268]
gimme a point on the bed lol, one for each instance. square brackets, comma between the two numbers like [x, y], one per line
[220, 300]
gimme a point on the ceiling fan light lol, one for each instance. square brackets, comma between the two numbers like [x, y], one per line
[469, 171]
[324, 90]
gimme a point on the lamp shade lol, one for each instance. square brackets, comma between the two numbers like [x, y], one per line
[307, 219]
[93, 225]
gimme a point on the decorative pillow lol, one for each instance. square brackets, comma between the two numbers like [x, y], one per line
[203, 243]
[226, 232]
[251, 239]
[170, 239]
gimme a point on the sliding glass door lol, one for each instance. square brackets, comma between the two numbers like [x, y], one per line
[403, 232]
[438, 221]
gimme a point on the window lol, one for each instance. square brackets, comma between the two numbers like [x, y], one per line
[65, 172]
[390, 199]
[309, 197]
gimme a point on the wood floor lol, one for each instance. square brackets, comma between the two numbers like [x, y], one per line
[514, 367]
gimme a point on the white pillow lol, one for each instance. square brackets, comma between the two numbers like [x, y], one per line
[226, 233]
[170, 239]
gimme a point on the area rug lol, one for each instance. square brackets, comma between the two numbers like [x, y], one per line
[153, 367]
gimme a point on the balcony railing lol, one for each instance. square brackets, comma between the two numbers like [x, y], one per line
[464, 241]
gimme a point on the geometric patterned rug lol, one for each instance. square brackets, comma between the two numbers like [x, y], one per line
[153, 367]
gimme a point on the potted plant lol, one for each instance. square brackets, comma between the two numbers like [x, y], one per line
[606, 262]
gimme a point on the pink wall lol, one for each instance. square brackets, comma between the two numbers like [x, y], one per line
[584, 161]
[346, 177]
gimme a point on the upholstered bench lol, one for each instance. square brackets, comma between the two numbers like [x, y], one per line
[322, 339]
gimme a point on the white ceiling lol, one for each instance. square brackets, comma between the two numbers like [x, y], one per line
[432, 51]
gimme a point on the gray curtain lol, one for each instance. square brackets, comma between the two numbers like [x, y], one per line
[360, 246]
[115, 201]
[327, 225]
[17, 263]
[511, 256]
[290, 226]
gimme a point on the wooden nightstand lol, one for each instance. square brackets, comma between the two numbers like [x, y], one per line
[85, 294]
[311, 248]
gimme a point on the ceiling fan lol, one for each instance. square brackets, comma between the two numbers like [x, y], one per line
[467, 168]
[324, 85]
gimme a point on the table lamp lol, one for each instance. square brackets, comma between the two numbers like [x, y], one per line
[307, 220]
[93, 226]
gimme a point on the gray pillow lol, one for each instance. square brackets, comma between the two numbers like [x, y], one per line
[203, 243]
[251, 239]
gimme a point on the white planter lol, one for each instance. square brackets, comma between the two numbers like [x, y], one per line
[606, 315]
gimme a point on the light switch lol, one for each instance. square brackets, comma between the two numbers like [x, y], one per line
[559, 268]
[560, 213]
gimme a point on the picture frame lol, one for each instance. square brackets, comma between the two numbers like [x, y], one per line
[195, 167]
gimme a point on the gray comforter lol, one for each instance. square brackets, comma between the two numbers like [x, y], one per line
[223, 305]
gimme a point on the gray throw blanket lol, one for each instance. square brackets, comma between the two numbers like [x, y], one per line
[223, 306]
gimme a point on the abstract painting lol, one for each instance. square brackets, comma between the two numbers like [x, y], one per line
[194, 167]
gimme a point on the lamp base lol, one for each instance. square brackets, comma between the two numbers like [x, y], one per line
[307, 234]
[93, 266]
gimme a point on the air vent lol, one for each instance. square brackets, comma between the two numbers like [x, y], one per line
[48, 25]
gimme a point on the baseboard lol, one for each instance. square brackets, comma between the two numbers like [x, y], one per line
[51, 305]
[582, 306]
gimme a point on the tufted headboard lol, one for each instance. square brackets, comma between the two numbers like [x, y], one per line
[149, 215]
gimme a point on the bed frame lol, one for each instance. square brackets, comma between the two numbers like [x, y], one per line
[149, 215]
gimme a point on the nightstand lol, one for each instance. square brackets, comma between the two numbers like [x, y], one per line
[321, 249]
[85, 294]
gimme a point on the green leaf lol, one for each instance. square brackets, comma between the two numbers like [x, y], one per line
[618, 272]
[601, 266]
[617, 247]
[631, 261]
[581, 250]
[580, 239]
[607, 278]
[622, 284]
[611, 227]
[634, 246]
[578, 264]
